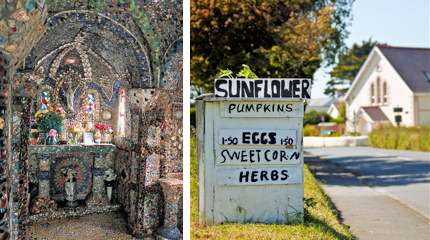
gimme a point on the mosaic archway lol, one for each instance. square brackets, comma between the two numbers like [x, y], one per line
[171, 69]
[73, 41]
[110, 45]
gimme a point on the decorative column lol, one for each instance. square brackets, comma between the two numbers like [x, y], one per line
[102, 161]
[43, 201]
[172, 189]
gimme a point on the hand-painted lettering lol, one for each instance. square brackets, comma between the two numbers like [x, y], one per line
[263, 88]
[284, 175]
[262, 175]
[256, 156]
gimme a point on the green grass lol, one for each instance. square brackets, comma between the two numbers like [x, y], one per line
[401, 138]
[321, 220]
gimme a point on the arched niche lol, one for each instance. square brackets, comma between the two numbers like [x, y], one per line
[84, 98]
[65, 88]
[39, 99]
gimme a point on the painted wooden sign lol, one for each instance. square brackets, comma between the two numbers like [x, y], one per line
[263, 88]
[260, 156]
[259, 176]
[271, 137]
[250, 151]
[261, 109]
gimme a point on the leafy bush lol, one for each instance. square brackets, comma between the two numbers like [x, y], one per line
[338, 120]
[401, 138]
[310, 130]
[314, 117]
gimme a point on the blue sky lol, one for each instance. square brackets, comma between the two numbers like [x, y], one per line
[404, 23]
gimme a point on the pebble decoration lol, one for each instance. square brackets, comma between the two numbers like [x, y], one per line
[106, 46]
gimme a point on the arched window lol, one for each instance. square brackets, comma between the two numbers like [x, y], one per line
[384, 92]
[91, 104]
[378, 90]
[372, 93]
[46, 99]
[121, 113]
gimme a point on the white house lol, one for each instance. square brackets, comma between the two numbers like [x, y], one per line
[391, 78]
[321, 104]
[334, 110]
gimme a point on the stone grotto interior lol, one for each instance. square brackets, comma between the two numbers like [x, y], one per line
[91, 119]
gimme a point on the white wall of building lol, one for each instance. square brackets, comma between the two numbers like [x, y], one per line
[398, 93]
[423, 110]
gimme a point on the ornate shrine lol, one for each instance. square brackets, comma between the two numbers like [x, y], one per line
[116, 63]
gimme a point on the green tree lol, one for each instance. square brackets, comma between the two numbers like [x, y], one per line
[348, 66]
[314, 117]
[276, 38]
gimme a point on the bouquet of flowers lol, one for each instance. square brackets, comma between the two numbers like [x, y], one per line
[99, 126]
[74, 130]
[108, 128]
[110, 177]
[51, 118]
[70, 174]
[34, 133]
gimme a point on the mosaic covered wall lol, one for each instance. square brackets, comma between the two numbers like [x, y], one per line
[99, 48]
[5, 149]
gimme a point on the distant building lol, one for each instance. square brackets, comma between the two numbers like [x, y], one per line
[391, 77]
[321, 104]
[334, 110]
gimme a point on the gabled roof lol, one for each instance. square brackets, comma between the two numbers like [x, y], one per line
[337, 105]
[375, 113]
[410, 64]
[321, 102]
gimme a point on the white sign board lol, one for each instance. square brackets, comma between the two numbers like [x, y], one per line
[250, 150]
[259, 176]
[259, 109]
[256, 156]
[270, 137]
[263, 88]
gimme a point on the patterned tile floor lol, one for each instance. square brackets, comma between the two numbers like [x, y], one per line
[91, 227]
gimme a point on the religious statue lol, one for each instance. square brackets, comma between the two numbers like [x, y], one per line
[69, 92]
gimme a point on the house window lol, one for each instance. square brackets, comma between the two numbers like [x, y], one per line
[91, 104]
[384, 93]
[378, 90]
[372, 93]
[46, 99]
[121, 122]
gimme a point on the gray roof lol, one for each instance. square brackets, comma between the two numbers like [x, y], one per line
[375, 113]
[410, 64]
[322, 102]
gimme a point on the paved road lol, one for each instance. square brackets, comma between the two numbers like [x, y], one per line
[382, 194]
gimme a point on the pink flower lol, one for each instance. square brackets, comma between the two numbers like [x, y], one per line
[52, 133]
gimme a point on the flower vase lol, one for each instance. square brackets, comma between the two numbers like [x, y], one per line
[34, 141]
[109, 192]
[52, 137]
[97, 136]
[70, 194]
[74, 140]
[107, 137]
[51, 140]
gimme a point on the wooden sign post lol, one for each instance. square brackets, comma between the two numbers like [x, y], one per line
[250, 154]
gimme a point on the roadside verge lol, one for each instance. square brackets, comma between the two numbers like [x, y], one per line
[321, 220]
